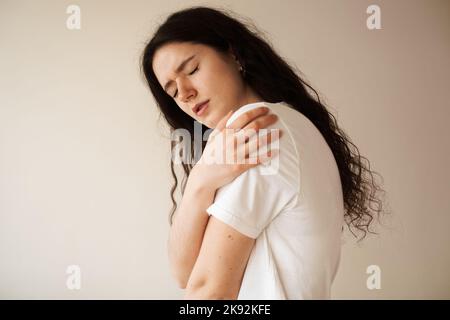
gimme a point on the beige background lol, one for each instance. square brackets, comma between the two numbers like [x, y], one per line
[84, 171]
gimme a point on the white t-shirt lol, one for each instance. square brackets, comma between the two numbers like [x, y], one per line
[295, 215]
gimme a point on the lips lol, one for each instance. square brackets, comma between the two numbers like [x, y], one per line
[198, 106]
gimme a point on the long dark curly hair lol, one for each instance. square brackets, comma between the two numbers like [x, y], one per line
[273, 80]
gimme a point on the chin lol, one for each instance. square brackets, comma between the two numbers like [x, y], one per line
[211, 124]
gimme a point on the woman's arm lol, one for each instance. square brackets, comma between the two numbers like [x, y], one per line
[191, 218]
[188, 227]
[220, 266]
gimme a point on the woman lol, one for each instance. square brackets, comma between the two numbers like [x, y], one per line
[238, 232]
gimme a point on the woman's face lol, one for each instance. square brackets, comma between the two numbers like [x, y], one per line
[207, 75]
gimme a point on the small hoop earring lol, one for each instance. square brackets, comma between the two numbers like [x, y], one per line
[241, 69]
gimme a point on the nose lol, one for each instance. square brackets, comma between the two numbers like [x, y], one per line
[185, 91]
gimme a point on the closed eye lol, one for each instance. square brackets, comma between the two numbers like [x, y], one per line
[175, 95]
[194, 71]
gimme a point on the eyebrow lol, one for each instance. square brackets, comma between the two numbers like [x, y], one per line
[180, 67]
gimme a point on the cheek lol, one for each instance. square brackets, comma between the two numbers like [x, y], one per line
[219, 80]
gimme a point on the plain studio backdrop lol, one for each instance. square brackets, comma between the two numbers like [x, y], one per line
[84, 156]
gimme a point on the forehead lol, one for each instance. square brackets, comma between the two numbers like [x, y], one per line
[168, 57]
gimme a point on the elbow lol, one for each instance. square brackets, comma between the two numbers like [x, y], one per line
[180, 273]
[207, 291]
[182, 284]
[181, 278]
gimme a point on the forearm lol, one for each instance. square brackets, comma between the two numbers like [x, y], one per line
[187, 230]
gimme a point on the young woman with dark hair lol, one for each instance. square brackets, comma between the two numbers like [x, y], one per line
[239, 232]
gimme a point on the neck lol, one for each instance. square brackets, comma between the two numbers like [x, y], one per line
[250, 97]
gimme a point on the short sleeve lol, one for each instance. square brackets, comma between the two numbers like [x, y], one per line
[252, 200]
